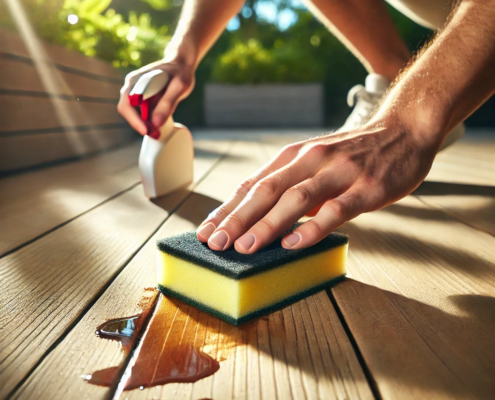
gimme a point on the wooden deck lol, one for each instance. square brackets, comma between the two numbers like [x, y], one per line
[414, 320]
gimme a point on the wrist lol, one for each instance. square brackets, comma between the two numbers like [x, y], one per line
[424, 123]
[421, 131]
[182, 50]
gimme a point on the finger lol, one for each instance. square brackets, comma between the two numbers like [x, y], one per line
[131, 115]
[126, 110]
[314, 211]
[214, 219]
[293, 204]
[167, 104]
[124, 106]
[261, 198]
[332, 214]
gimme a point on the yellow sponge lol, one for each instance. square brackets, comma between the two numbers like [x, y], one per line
[238, 287]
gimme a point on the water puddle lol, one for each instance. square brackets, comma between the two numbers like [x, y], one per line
[177, 343]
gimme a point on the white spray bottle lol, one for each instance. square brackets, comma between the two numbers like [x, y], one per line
[166, 157]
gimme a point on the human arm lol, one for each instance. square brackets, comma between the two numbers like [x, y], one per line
[376, 165]
[200, 24]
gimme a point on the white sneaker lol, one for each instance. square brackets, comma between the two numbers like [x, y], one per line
[365, 99]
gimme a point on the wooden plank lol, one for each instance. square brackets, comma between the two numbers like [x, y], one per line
[421, 298]
[46, 285]
[420, 303]
[275, 359]
[12, 43]
[40, 113]
[36, 202]
[18, 152]
[468, 161]
[461, 182]
[18, 75]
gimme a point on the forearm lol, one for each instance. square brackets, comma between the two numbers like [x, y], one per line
[200, 24]
[366, 29]
[453, 77]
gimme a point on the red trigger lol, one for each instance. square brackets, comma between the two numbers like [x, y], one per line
[147, 106]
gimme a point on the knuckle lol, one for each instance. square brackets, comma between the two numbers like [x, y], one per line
[267, 186]
[121, 108]
[370, 180]
[244, 187]
[316, 151]
[218, 214]
[266, 225]
[346, 205]
[290, 149]
[164, 104]
[185, 82]
[338, 207]
[316, 229]
[302, 194]
[319, 149]
[235, 222]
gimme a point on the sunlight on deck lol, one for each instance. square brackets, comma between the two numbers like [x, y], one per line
[52, 80]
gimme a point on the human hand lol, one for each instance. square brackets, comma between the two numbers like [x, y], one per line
[347, 173]
[181, 83]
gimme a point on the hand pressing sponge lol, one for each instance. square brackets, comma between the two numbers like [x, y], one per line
[238, 287]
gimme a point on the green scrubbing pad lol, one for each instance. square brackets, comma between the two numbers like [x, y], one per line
[238, 287]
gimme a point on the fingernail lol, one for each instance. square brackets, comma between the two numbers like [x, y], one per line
[292, 239]
[158, 120]
[246, 241]
[206, 231]
[219, 239]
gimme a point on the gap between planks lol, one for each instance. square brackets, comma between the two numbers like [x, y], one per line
[420, 301]
[47, 284]
[414, 261]
[300, 352]
[39, 202]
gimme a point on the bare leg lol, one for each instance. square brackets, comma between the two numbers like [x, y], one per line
[366, 29]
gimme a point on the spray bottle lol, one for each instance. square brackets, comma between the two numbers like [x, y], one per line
[166, 157]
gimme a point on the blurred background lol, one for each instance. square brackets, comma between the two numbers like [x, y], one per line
[268, 42]
[62, 63]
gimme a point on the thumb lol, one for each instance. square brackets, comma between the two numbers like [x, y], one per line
[167, 104]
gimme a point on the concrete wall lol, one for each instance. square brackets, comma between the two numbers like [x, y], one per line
[267, 105]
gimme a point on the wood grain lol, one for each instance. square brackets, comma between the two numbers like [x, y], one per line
[123, 295]
[36, 202]
[46, 97]
[18, 152]
[12, 43]
[461, 182]
[46, 285]
[18, 75]
[421, 302]
[299, 352]
[468, 161]
[22, 113]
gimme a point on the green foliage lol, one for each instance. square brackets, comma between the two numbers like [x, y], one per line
[303, 53]
[104, 33]
[161, 5]
[306, 51]
[127, 39]
[251, 63]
